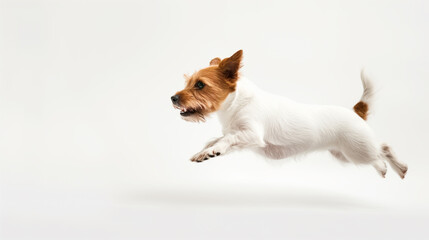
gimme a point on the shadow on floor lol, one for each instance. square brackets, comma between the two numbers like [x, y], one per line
[256, 197]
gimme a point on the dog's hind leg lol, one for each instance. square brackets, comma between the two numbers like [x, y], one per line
[381, 167]
[400, 168]
[365, 152]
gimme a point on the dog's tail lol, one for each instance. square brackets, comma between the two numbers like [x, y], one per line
[362, 107]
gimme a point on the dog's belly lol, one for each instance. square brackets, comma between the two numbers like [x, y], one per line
[279, 152]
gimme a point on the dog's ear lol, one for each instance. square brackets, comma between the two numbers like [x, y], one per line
[215, 61]
[230, 66]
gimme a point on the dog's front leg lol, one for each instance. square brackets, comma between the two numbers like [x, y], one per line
[227, 143]
[212, 142]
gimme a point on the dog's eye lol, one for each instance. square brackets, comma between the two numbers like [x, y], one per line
[199, 85]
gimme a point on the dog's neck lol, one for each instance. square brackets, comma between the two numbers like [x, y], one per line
[235, 100]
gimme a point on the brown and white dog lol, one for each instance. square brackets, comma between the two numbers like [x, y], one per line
[277, 127]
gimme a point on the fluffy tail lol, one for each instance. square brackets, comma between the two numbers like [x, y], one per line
[362, 107]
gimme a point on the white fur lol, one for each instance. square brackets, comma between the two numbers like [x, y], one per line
[277, 128]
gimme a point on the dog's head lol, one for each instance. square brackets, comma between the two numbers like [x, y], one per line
[206, 89]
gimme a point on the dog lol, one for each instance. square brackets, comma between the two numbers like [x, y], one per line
[277, 127]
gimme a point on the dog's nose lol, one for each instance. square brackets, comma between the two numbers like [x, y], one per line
[175, 99]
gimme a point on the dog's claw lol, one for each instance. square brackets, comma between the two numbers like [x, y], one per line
[218, 153]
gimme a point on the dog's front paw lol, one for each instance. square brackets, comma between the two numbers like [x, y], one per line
[199, 157]
[206, 154]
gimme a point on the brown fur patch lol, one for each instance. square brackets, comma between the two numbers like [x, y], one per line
[219, 81]
[361, 108]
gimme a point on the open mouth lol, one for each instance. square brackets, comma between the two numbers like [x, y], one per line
[186, 111]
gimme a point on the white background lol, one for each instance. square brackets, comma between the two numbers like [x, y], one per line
[91, 148]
